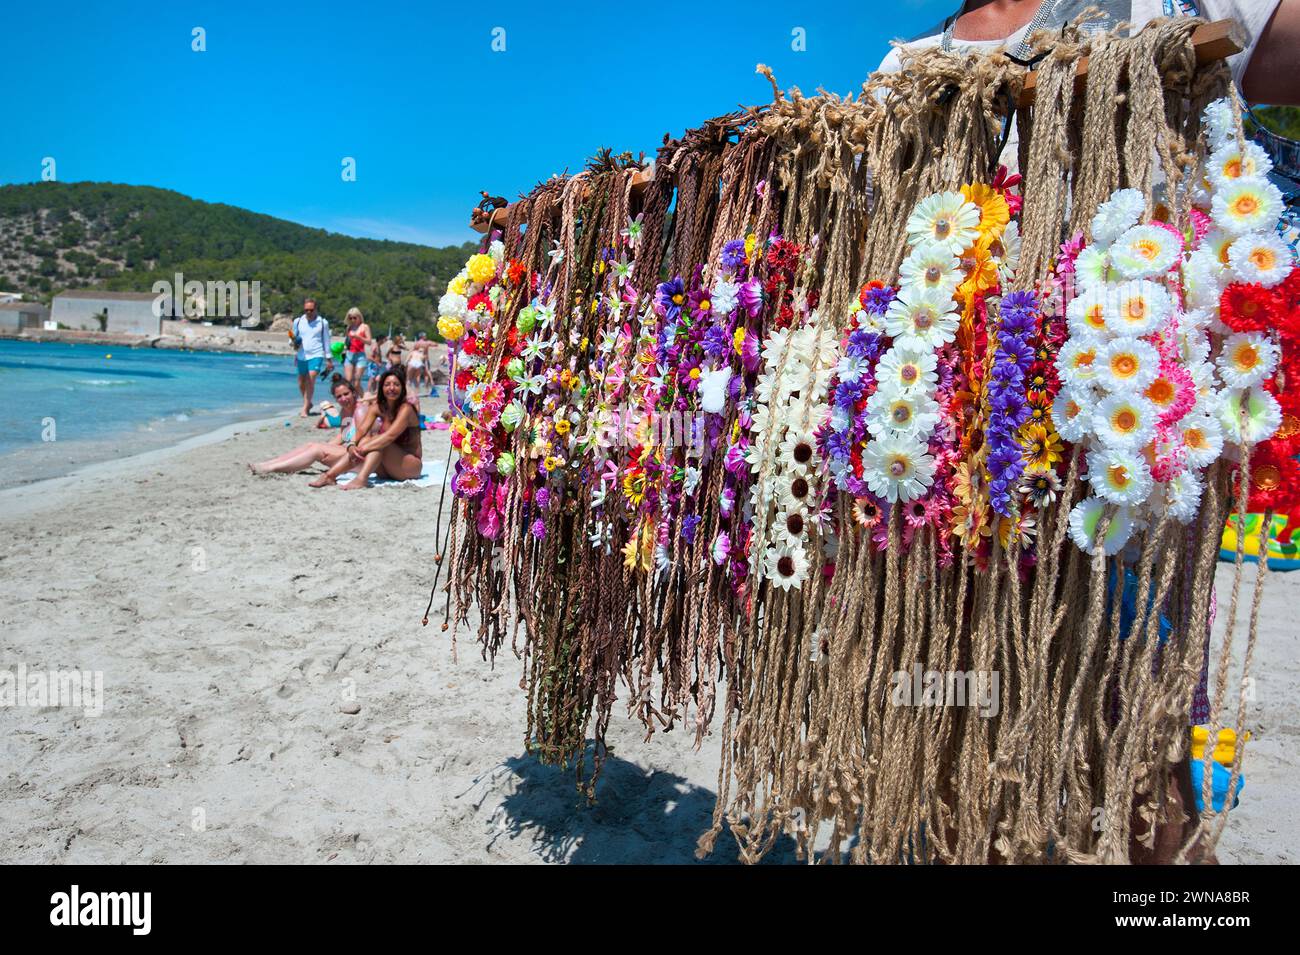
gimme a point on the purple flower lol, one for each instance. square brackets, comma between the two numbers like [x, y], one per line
[733, 255]
[847, 393]
[539, 528]
[689, 524]
[863, 345]
[669, 298]
[714, 342]
[751, 297]
[878, 299]
[543, 498]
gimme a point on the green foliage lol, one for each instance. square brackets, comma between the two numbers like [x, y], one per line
[1283, 120]
[149, 234]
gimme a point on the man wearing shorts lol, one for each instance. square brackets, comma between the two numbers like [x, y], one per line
[311, 333]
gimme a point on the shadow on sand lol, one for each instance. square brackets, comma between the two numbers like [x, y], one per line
[640, 817]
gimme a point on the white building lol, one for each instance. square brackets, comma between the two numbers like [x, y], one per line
[16, 316]
[131, 313]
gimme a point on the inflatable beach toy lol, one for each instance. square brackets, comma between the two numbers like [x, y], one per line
[1225, 749]
[1283, 551]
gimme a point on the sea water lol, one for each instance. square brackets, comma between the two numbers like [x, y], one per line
[64, 405]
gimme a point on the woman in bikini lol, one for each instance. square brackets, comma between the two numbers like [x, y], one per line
[394, 451]
[329, 452]
[358, 341]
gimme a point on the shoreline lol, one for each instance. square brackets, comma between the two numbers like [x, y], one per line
[11, 495]
[160, 342]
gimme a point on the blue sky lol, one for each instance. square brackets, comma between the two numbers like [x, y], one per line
[413, 92]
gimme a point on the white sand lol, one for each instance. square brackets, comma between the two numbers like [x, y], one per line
[223, 688]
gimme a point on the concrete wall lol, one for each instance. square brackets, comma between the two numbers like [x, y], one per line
[233, 332]
[126, 316]
[15, 320]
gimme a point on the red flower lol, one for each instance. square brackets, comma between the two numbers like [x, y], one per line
[1248, 308]
[480, 301]
[515, 272]
[1274, 479]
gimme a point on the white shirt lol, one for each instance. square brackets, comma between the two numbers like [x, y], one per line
[313, 336]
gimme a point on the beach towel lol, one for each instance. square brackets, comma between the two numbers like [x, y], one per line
[430, 476]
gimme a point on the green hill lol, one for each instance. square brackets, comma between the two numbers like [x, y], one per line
[56, 236]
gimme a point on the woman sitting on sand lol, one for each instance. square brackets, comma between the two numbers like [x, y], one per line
[321, 452]
[393, 452]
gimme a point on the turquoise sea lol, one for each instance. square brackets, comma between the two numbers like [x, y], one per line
[67, 405]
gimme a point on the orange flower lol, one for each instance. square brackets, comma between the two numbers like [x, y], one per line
[994, 212]
[981, 273]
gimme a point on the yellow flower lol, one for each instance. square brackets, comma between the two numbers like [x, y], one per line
[1042, 447]
[994, 213]
[562, 426]
[552, 462]
[450, 327]
[738, 341]
[1020, 530]
[458, 285]
[481, 268]
[751, 240]
[634, 487]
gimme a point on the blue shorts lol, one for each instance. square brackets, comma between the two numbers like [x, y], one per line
[310, 365]
[354, 358]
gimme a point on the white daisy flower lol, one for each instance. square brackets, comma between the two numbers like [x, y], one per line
[1204, 277]
[1092, 267]
[794, 491]
[1124, 421]
[1117, 214]
[1259, 422]
[1127, 365]
[897, 469]
[870, 322]
[1144, 251]
[910, 414]
[1079, 360]
[1261, 258]
[815, 346]
[1228, 163]
[1202, 436]
[786, 567]
[945, 219]
[725, 297]
[1182, 495]
[1068, 415]
[774, 348]
[798, 450]
[1119, 475]
[1247, 205]
[930, 266]
[1141, 307]
[1093, 313]
[1084, 520]
[1247, 359]
[790, 528]
[906, 369]
[922, 320]
[1220, 123]
[852, 367]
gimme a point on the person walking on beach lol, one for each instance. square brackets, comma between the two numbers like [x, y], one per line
[358, 336]
[311, 333]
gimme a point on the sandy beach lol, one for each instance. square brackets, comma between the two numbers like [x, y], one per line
[233, 619]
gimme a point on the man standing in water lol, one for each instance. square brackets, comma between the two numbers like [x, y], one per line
[311, 333]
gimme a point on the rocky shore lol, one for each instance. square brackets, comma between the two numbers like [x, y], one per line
[219, 340]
